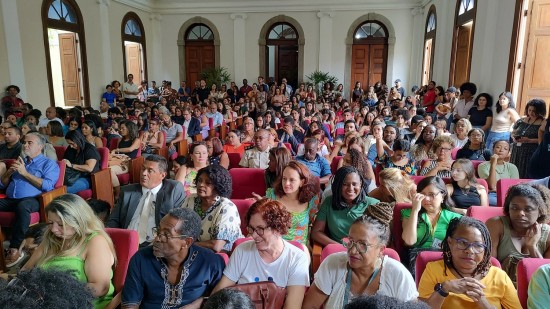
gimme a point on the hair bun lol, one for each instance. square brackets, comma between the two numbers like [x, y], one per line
[381, 211]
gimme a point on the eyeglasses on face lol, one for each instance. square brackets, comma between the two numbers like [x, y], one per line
[259, 230]
[463, 244]
[431, 195]
[163, 237]
[360, 246]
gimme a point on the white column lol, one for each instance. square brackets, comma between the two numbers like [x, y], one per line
[325, 40]
[154, 45]
[239, 50]
[105, 32]
[12, 33]
[417, 44]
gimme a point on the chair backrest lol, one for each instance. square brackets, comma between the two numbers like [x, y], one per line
[425, 257]
[454, 152]
[59, 151]
[502, 188]
[288, 146]
[526, 269]
[334, 164]
[104, 155]
[484, 213]
[224, 256]
[247, 180]
[61, 179]
[114, 143]
[397, 229]
[234, 159]
[126, 243]
[163, 138]
[104, 141]
[334, 248]
[242, 207]
[476, 163]
[340, 131]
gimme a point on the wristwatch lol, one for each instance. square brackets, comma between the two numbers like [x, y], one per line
[439, 289]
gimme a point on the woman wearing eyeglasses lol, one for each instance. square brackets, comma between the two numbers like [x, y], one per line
[425, 224]
[268, 257]
[465, 278]
[363, 269]
[441, 165]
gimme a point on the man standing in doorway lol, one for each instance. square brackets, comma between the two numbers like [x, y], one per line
[130, 90]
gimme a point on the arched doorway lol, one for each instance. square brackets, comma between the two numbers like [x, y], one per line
[429, 46]
[369, 54]
[281, 53]
[199, 52]
[65, 46]
[134, 47]
[463, 41]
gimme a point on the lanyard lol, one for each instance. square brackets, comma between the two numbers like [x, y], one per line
[348, 283]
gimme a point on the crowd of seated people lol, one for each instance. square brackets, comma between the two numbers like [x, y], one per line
[335, 171]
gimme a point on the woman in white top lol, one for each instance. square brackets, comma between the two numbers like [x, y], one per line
[364, 266]
[460, 136]
[503, 120]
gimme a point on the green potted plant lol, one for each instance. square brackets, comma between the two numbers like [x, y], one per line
[218, 76]
[318, 79]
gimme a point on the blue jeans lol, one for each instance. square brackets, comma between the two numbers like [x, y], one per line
[492, 137]
[79, 185]
[492, 198]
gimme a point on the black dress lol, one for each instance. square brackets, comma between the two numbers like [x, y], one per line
[464, 199]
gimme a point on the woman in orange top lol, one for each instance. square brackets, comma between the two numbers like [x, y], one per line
[233, 143]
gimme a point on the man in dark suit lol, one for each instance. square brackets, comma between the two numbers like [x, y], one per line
[192, 125]
[141, 206]
[289, 134]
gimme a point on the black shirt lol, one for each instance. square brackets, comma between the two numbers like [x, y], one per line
[203, 94]
[10, 153]
[478, 118]
[87, 153]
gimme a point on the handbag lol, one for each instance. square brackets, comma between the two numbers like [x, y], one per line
[264, 295]
[71, 176]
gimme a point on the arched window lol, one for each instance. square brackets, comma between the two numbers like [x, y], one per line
[369, 54]
[429, 46]
[134, 47]
[65, 46]
[463, 37]
[199, 51]
[282, 53]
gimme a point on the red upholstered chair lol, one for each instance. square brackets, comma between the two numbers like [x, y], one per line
[126, 243]
[104, 140]
[132, 176]
[453, 153]
[526, 268]
[502, 188]
[246, 181]
[397, 229]
[425, 257]
[234, 159]
[288, 146]
[334, 164]
[334, 248]
[339, 131]
[242, 206]
[102, 186]
[417, 179]
[224, 256]
[484, 213]
[476, 163]
[59, 152]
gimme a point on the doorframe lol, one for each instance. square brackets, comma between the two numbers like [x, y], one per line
[79, 30]
[181, 44]
[349, 44]
[459, 22]
[140, 40]
[262, 43]
[427, 36]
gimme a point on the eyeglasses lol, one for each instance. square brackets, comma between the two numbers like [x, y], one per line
[163, 237]
[360, 246]
[33, 294]
[462, 244]
[431, 195]
[259, 230]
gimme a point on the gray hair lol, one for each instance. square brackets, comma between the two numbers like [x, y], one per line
[39, 137]
[379, 229]
[191, 222]
[163, 164]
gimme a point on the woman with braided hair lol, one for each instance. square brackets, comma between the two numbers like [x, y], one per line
[464, 278]
[363, 269]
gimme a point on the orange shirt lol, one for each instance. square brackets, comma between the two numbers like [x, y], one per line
[230, 149]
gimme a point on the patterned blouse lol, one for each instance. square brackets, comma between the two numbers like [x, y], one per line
[409, 168]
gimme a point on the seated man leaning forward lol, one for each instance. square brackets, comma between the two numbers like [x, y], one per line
[317, 164]
[23, 182]
[257, 156]
[141, 206]
[173, 272]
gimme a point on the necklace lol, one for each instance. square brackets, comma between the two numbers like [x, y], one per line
[465, 190]
[504, 168]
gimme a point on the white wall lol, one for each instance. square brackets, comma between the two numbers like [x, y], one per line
[162, 25]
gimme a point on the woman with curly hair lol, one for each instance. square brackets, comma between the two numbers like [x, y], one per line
[76, 242]
[465, 278]
[441, 165]
[522, 232]
[268, 257]
[221, 224]
[364, 264]
[422, 148]
[298, 190]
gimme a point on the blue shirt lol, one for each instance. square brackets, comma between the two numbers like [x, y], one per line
[146, 283]
[218, 118]
[109, 97]
[41, 167]
[319, 167]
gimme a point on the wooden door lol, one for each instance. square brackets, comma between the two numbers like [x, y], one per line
[427, 68]
[198, 56]
[463, 56]
[69, 69]
[287, 65]
[133, 61]
[369, 62]
[536, 79]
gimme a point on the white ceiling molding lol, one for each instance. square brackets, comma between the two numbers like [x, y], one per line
[144, 5]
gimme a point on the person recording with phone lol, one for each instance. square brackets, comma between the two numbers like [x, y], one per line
[289, 134]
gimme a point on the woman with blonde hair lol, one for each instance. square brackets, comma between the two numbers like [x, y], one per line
[395, 186]
[77, 242]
